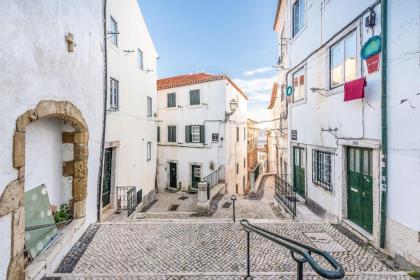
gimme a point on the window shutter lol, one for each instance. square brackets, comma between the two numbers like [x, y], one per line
[158, 134]
[202, 134]
[174, 130]
[188, 133]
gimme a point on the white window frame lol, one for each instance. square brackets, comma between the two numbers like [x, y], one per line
[195, 134]
[149, 106]
[148, 151]
[301, 14]
[114, 91]
[300, 72]
[113, 30]
[140, 61]
[341, 43]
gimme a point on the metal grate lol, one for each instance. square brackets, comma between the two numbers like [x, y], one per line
[183, 197]
[227, 205]
[322, 169]
[173, 207]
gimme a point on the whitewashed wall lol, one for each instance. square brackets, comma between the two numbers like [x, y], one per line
[130, 124]
[37, 66]
[403, 224]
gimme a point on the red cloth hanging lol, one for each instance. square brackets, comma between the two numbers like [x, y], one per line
[354, 89]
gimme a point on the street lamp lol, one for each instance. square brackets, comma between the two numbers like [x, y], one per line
[233, 198]
[233, 105]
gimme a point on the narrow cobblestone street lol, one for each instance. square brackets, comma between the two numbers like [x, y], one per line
[164, 247]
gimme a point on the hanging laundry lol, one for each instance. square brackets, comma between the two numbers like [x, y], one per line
[354, 89]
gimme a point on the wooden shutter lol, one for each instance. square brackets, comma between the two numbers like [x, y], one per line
[158, 134]
[202, 134]
[188, 134]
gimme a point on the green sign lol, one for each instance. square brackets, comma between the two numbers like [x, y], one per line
[289, 91]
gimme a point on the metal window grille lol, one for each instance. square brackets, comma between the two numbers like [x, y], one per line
[322, 169]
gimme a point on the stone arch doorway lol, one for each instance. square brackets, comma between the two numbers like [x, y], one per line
[11, 200]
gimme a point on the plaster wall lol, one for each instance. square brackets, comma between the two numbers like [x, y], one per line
[130, 126]
[45, 70]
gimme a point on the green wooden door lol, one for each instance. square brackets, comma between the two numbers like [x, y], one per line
[299, 171]
[106, 185]
[196, 176]
[359, 187]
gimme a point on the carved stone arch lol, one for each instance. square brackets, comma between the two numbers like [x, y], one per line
[11, 200]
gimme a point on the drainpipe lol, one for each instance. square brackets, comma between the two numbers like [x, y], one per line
[101, 158]
[384, 146]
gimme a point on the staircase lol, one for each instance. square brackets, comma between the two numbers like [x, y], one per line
[211, 249]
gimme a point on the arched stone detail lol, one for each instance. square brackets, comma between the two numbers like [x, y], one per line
[11, 200]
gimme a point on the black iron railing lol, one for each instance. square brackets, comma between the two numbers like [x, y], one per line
[285, 193]
[127, 199]
[256, 171]
[300, 252]
[215, 177]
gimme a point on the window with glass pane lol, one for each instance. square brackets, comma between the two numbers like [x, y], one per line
[140, 59]
[149, 151]
[343, 61]
[171, 100]
[114, 94]
[298, 11]
[195, 97]
[322, 169]
[113, 31]
[149, 106]
[195, 133]
[298, 85]
[171, 133]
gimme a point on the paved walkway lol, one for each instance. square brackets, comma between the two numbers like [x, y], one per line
[198, 249]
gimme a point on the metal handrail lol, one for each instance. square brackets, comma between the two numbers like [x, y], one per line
[298, 248]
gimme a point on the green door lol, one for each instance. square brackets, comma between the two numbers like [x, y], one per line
[106, 185]
[299, 171]
[359, 187]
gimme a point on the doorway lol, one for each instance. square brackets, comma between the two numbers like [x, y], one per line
[299, 171]
[173, 175]
[195, 176]
[359, 187]
[106, 185]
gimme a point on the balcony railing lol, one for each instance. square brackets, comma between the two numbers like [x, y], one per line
[127, 199]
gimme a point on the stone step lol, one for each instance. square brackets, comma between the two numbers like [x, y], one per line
[164, 215]
[223, 275]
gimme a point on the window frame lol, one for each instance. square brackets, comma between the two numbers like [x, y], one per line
[114, 32]
[149, 104]
[171, 94]
[114, 94]
[171, 129]
[140, 59]
[301, 4]
[320, 161]
[199, 97]
[195, 134]
[341, 42]
[303, 70]
[148, 151]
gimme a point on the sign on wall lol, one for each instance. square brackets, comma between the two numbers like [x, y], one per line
[294, 134]
[215, 137]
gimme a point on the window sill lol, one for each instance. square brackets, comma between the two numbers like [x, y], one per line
[299, 102]
[335, 90]
[194, 106]
[321, 187]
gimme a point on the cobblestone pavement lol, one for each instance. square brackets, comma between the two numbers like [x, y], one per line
[199, 249]
[260, 206]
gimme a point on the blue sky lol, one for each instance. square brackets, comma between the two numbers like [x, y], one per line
[233, 37]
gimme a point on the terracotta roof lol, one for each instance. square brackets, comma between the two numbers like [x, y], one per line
[277, 14]
[273, 96]
[192, 79]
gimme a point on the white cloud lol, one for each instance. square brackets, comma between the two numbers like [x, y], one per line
[257, 71]
[257, 89]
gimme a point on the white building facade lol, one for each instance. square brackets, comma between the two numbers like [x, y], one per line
[130, 147]
[51, 127]
[337, 148]
[195, 139]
